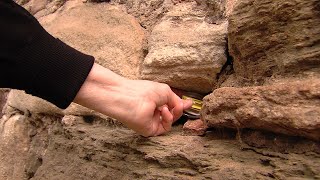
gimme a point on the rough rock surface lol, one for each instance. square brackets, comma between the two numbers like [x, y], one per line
[272, 39]
[195, 127]
[288, 107]
[149, 12]
[27, 103]
[184, 48]
[3, 99]
[112, 36]
[14, 145]
[30, 104]
[45, 148]
[40, 8]
[274, 44]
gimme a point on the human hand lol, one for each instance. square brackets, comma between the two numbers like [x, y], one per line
[147, 107]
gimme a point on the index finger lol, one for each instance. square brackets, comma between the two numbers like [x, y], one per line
[177, 105]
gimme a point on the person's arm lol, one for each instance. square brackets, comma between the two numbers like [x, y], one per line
[33, 60]
[147, 107]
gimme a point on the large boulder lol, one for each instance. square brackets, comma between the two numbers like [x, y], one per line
[275, 38]
[112, 36]
[186, 51]
[289, 107]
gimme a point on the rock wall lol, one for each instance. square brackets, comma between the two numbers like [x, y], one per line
[276, 49]
[270, 40]
[261, 58]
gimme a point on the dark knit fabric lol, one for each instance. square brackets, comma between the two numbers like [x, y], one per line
[34, 61]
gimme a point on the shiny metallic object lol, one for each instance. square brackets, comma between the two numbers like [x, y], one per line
[194, 111]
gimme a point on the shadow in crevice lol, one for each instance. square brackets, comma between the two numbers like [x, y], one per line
[226, 70]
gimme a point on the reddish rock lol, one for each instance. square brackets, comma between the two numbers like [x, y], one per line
[195, 127]
[290, 108]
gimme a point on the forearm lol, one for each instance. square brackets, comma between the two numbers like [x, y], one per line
[33, 60]
[103, 91]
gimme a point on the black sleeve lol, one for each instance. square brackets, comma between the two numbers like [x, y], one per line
[34, 61]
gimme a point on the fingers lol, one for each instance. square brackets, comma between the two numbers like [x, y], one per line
[171, 107]
[177, 111]
[165, 123]
[175, 104]
[167, 118]
[187, 103]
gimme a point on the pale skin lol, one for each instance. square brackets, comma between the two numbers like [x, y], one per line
[147, 107]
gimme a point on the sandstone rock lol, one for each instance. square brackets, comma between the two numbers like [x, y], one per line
[69, 120]
[148, 12]
[230, 4]
[195, 127]
[14, 145]
[78, 110]
[269, 38]
[104, 152]
[33, 105]
[80, 150]
[185, 51]
[113, 37]
[30, 104]
[40, 8]
[289, 107]
[3, 99]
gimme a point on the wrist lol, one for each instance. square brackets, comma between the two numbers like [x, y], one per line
[101, 89]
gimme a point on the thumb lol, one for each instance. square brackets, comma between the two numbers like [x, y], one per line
[187, 103]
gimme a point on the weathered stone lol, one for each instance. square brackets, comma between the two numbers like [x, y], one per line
[230, 4]
[112, 36]
[195, 127]
[185, 51]
[78, 110]
[69, 120]
[3, 99]
[40, 8]
[30, 104]
[289, 107]
[148, 12]
[14, 146]
[33, 105]
[269, 38]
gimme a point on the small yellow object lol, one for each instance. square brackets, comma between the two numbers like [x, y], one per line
[197, 104]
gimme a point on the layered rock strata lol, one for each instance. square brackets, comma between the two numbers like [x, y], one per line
[289, 108]
[269, 39]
